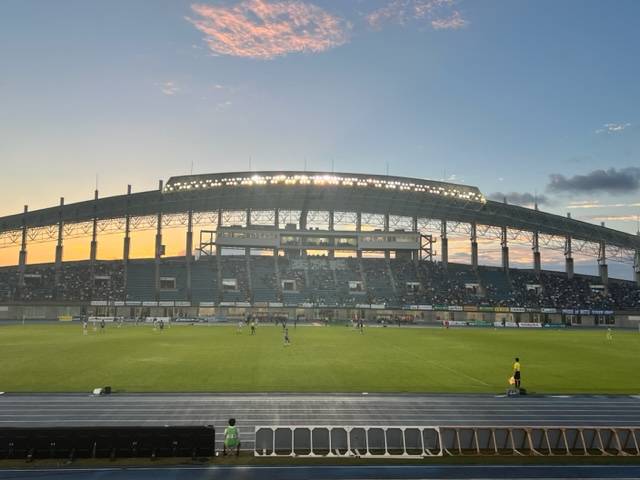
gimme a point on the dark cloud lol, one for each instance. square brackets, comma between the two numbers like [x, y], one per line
[612, 181]
[516, 198]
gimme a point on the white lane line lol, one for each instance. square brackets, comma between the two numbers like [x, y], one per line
[510, 407]
[171, 414]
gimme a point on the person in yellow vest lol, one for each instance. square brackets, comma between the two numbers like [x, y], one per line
[516, 373]
[231, 438]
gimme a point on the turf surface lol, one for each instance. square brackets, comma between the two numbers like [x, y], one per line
[37, 358]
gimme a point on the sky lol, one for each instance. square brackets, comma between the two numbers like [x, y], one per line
[525, 99]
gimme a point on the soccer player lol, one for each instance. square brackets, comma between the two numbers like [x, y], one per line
[286, 337]
[231, 438]
[253, 327]
[240, 325]
[516, 372]
[609, 335]
[85, 326]
[102, 325]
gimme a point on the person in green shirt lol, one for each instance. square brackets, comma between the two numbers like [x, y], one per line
[231, 438]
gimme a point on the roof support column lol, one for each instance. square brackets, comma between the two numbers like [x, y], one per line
[303, 226]
[93, 251]
[159, 246]
[603, 268]
[505, 249]
[474, 245]
[358, 230]
[332, 252]
[387, 253]
[188, 251]
[636, 266]
[22, 258]
[218, 225]
[568, 257]
[276, 224]
[247, 250]
[414, 229]
[58, 261]
[537, 264]
[444, 249]
[126, 247]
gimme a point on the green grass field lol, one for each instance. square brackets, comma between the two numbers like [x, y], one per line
[58, 358]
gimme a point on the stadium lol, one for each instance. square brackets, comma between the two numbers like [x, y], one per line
[321, 257]
[318, 246]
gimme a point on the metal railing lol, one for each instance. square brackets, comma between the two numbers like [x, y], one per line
[435, 441]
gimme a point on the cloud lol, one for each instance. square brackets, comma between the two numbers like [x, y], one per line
[440, 14]
[453, 22]
[265, 30]
[516, 198]
[589, 204]
[169, 88]
[613, 127]
[613, 181]
[614, 218]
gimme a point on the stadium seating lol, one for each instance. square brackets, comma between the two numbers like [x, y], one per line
[318, 280]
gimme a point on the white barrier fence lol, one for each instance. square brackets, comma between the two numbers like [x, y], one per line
[434, 441]
[333, 441]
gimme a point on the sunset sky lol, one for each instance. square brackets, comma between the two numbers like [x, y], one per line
[522, 98]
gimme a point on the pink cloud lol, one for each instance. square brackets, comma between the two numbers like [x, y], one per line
[440, 14]
[454, 22]
[265, 30]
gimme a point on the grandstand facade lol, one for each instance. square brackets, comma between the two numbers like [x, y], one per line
[295, 243]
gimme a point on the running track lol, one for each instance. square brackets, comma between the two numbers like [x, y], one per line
[317, 409]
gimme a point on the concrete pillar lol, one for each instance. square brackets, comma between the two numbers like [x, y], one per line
[218, 225]
[158, 249]
[248, 215]
[126, 247]
[358, 230]
[188, 251]
[537, 263]
[474, 245]
[22, 258]
[636, 267]
[93, 254]
[58, 261]
[387, 253]
[303, 220]
[331, 229]
[444, 247]
[568, 257]
[603, 268]
[303, 226]
[505, 249]
[414, 229]
[276, 218]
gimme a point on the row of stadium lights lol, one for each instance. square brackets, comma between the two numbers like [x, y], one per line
[325, 180]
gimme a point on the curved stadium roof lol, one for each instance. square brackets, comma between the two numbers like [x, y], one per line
[295, 190]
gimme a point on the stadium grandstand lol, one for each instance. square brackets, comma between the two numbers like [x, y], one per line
[295, 243]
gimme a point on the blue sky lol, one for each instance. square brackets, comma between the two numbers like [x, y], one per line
[498, 94]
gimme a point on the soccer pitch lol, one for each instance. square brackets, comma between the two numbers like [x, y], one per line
[185, 358]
